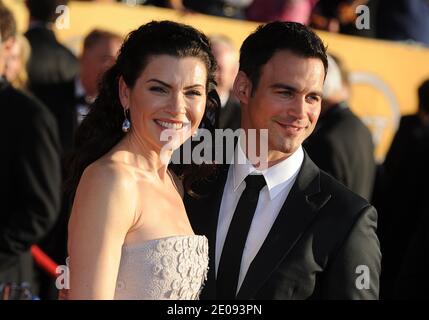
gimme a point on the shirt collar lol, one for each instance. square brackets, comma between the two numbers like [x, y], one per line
[277, 176]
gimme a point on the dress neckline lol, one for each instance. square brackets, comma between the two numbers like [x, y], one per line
[146, 242]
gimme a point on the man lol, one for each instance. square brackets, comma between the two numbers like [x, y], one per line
[227, 67]
[401, 191]
[69, 100]
[30, 177]
[51, 65]
[341, 144]
[100, 48]
[289, 231]
[50, 61]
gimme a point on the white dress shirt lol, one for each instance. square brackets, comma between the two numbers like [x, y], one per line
[280, 179]
[81, 109]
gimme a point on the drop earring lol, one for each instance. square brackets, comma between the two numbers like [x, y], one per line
[126, 125]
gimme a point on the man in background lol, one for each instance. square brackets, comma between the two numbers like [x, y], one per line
[226, 56]
[341, 144]
[30, 176]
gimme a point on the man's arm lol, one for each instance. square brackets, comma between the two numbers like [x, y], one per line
[354, 271]
[38, 177]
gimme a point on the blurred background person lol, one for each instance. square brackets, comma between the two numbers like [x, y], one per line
[341, 144]
[100, 48]
[340, 16]
[50, 61]
[16, 64]
[412, 281]
[221, 8]
[226, 56]
[401, 191]
[403, 20]
[283, 10]
[30, 176]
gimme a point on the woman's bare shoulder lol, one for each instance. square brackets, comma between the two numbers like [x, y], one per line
[106, 188]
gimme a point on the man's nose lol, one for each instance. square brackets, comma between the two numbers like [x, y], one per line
[298, 108]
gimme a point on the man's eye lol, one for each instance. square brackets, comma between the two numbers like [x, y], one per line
[313, 99]
[286, 94]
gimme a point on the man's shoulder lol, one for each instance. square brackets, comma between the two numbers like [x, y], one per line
[23, 105]
[342, 200]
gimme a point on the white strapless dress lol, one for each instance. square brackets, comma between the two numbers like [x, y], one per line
[168, 268]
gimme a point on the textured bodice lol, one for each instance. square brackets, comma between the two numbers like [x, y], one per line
[168, 268]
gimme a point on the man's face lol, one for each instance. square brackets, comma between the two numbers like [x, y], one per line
[286, 101]
[227, 66]
[95, 61]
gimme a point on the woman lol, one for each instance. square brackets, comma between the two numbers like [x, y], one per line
[16, 64]
[129, 235]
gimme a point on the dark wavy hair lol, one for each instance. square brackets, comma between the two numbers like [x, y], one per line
[101, 128]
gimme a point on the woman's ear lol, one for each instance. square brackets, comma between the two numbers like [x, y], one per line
[242, 87]
[124, 93]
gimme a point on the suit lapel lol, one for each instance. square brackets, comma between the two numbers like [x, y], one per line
[299, 209]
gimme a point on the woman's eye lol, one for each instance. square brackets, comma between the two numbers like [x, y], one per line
[194, 93]
[158, 89]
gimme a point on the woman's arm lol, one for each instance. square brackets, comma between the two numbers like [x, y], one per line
[103, 212]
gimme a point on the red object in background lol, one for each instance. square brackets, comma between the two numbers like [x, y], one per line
[44, 261]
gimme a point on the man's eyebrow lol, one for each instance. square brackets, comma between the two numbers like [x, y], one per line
[292, 88]
[283, 86]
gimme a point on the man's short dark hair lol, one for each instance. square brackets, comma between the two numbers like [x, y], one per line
[7, 24]
[260, 46]
[44, 10]
[424, 96]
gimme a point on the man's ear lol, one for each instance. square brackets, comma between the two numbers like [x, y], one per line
[242, 87]
[124, 93]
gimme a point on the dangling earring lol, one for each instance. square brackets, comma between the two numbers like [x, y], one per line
[126, 125]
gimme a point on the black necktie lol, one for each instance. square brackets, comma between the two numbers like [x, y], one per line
[230, 260]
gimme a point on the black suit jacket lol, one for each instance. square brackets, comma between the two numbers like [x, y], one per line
[30, 181]
[321, 235]
[50, 61]
[401, 198]
[342, 146]
[52, 69]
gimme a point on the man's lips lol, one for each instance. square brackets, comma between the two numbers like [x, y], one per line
[291, 126]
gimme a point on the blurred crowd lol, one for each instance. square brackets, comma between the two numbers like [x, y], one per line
[46, 91]
[400, 20]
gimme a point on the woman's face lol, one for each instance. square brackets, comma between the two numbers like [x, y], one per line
[13, 62]
[167, 101]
